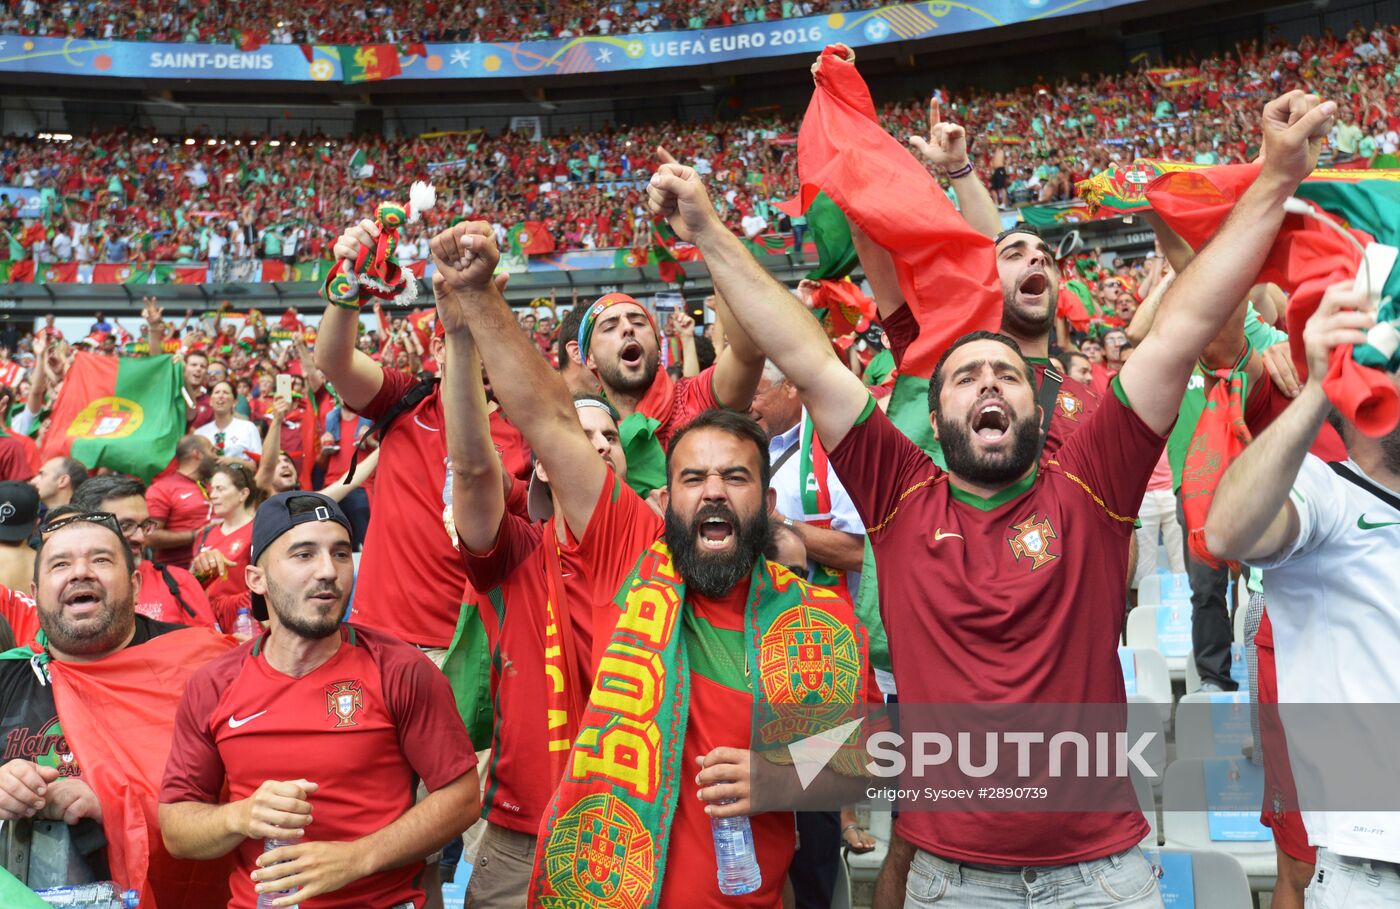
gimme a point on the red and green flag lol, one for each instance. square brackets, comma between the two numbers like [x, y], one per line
[57, 273]
[247, 40]
[369, 62]
[767, 245]
[123, 413]
[1055, 215]
[106, 273]
[946, 270]
[530, 238]
[21, 272]
[831, 233]
[310, 271]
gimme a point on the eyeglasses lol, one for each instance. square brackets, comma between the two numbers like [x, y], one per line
[130, 527]
[218, 443]
[104, 518]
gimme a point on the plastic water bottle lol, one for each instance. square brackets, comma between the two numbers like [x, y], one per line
[265, 899]
[102, 895]
[735, 859]
[243, 624]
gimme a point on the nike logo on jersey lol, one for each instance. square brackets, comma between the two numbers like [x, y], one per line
[423, 425]
[234, 722]
[186, 496]
[940, 534]
[1364, 524]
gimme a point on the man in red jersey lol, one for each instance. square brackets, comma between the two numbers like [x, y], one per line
[168, 593]
[411, 521]
[1003, 553]
[320, 730]
[534, 601]
[710, 543]
[177, 503]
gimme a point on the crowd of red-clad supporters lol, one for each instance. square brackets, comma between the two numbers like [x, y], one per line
[133, 197]
[371, 22]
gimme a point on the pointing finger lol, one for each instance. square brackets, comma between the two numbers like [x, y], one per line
[935, 113]
[665, 156]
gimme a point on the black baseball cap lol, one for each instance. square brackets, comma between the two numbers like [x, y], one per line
[19, 510]
[280, 514]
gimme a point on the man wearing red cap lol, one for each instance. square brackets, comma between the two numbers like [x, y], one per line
[618, 340]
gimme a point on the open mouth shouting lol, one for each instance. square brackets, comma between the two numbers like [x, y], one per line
[82, 600]
[631, 354]
[1033, 284]
[716, 533]
[991, 421]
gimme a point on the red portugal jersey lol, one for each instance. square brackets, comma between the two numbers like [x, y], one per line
[19, 610]
[411, 578]
[691, 396]
[514, 580]
[179, 503]
[365, 727]
[155, 601]
[1013, 599]
[228, 591]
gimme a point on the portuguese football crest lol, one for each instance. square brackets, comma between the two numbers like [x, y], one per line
[611, 859]
[343, 700]
[1069, 405]
[1032, 540]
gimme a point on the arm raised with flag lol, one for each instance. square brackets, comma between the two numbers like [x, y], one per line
[1207, 292]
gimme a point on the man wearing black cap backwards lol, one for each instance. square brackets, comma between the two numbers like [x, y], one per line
[321, 730]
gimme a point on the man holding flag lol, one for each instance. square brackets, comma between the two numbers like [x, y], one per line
[954, 547]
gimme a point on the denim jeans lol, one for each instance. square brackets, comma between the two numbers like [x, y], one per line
[1122, 880]
[1341, 882]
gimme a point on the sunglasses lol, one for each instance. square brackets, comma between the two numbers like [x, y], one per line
[104, 518]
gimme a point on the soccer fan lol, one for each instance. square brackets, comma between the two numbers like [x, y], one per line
[702, 570]
[19, 512]
[197, 404]
[319, 730]
[167, 593]
[413, 464]
[234, 438]
[532, 585]
[85, 585]
[618, 339]
[58, 480]
[221, 551]
[18, 454]
[1067, 517]
[1287, 511]
[177, 502]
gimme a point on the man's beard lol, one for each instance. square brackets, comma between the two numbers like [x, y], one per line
[613, 377]
[1018, 322]
[1390, 451]
[992, 468]
[313, 627]
[92, 637]
[207, 468]
[715, 574]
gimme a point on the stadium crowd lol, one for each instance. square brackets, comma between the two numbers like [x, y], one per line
[381, 22]
[595, 525]
[133, 197]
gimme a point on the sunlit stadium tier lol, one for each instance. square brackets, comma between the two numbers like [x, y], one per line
[258, 54]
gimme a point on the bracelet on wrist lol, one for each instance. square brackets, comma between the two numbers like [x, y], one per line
[961, 171]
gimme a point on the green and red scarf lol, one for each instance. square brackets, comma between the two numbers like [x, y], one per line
[604, 839]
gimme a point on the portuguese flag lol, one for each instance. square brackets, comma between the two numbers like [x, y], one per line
[369, 62]
[57, 273]
[124, 413]
[530, 238]
[946, 270]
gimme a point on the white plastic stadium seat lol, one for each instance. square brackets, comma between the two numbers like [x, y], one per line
[1150, 591]
[1190, 829]
[1144, 718]
[1142, 633]
[1239, 673]
[1153, 680]
[1206, 730]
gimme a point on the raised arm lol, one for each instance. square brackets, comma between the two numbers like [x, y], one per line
[272, 445]
[1207, 292]
[775, 319]
[528, 389]
[1252, 515]
[155, 326]
[946, 149]
[478, 500]
[353, 374]
[740, 365]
